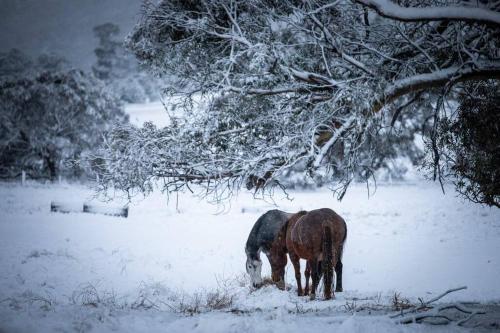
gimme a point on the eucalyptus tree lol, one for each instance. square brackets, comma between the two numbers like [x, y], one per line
[52, 117]
[310, 83]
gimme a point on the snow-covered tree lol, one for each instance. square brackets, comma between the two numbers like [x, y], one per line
[112, 60]
[468, 143]
[120, 69]
[291, 82]
[52, 117]
[15, 63]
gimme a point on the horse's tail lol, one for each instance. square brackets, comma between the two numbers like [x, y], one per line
[327, 264]
[343, 243]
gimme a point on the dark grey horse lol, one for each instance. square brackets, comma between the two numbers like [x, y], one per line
[269, 236]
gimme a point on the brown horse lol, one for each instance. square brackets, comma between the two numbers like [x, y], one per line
[317, 236]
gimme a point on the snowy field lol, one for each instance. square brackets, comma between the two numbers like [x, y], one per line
[154, 112]
[180, 267]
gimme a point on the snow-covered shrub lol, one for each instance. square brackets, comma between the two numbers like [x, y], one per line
[51, 118]
[468, 143]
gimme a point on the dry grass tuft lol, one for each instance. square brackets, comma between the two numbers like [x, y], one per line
[400, 303]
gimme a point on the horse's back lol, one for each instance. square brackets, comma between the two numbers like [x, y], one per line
[267, 229]
[326, 217]
[307, 233]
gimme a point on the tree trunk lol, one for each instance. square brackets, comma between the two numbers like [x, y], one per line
[52, 166]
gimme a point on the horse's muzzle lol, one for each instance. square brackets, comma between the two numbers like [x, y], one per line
[257, 285]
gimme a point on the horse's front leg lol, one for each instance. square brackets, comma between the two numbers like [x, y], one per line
[278, 264]
[296, 266]
[307, 273]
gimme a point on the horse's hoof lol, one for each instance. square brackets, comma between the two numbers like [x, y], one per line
[280, 285]
[329, 297]
[312, 297]
[338, 290]
[300, 293]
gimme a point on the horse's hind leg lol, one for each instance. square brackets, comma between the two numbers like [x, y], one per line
[328, 279]
[338, 273]
[315, 278]
[307, 273]
[296, 266]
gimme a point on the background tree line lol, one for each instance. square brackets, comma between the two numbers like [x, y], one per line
[54, 117]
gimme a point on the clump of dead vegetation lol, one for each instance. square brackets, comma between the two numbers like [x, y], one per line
[366, 304]
[266, 282]
[400, 303]
[155, 296]
[29, 298]
[200, 302]
[89, 295]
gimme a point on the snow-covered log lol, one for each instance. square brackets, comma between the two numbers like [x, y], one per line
[105, 210]
[71, 207]
[65, 207]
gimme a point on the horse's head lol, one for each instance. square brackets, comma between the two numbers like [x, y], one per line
[254, 267]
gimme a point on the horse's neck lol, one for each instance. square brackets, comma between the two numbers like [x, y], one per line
[254, 253]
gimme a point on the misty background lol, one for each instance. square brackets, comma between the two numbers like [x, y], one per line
[62, 27]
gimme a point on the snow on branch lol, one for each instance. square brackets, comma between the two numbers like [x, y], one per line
[326, 147]
[276, 91]
[436, 79]
[391, 10]
[313, 78]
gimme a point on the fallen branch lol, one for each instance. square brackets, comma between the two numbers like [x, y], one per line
[434, 314]
[449, 291]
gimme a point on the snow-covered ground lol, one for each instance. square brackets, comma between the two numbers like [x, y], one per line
[153, 112]
[159, 112]
[150, 271]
